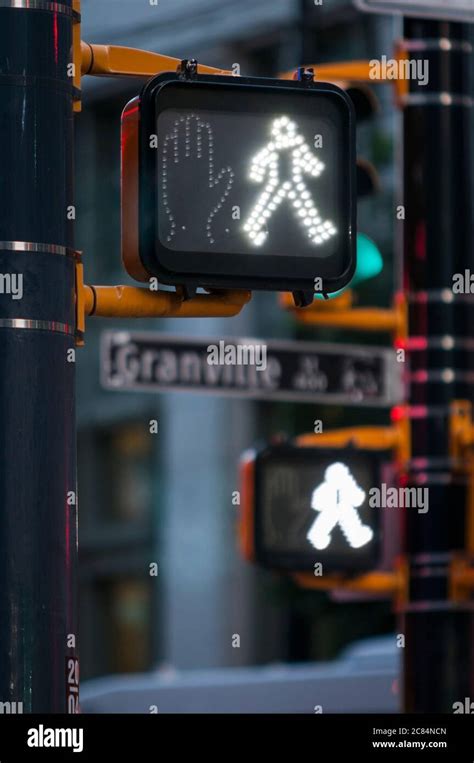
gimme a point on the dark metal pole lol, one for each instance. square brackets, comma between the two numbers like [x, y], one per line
[306, 35]
[38, 508]
[438, 655]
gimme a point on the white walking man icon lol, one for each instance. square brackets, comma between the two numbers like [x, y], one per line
[336, 499]
[268, 163]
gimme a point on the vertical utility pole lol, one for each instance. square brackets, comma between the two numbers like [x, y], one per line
[438, 654]
[305, 33]
[38, 508]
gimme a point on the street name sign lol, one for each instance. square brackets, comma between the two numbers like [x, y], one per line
[250, 368]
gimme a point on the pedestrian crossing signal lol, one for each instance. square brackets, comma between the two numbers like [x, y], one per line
[286, 140]
[233, 182]
[303, 505]
[337, 500]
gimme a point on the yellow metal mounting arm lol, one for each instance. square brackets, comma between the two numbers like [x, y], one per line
[338, 313]
[396, 437]
[462, 452]
[136, 302]
[359, 319]
[354, 71]
[114, 61]
[377, 582]
[461, 428]
[343, 73]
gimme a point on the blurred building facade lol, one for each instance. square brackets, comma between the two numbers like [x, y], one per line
[166, 499]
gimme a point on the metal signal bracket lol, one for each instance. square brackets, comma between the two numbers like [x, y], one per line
[118, 61]
[461, 579]
[138, 302]
[188, 68]
[396, 437]
[461, 428]
[339, 313]
[379, 582]
[343, 73]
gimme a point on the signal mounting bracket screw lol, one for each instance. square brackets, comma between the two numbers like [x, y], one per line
[188, 68]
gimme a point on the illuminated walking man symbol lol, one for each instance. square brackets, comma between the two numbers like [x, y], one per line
[286, 143]
[336, 500]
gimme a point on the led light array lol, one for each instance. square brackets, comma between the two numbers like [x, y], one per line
[266, 164]
[212, 180]
[336, 500]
